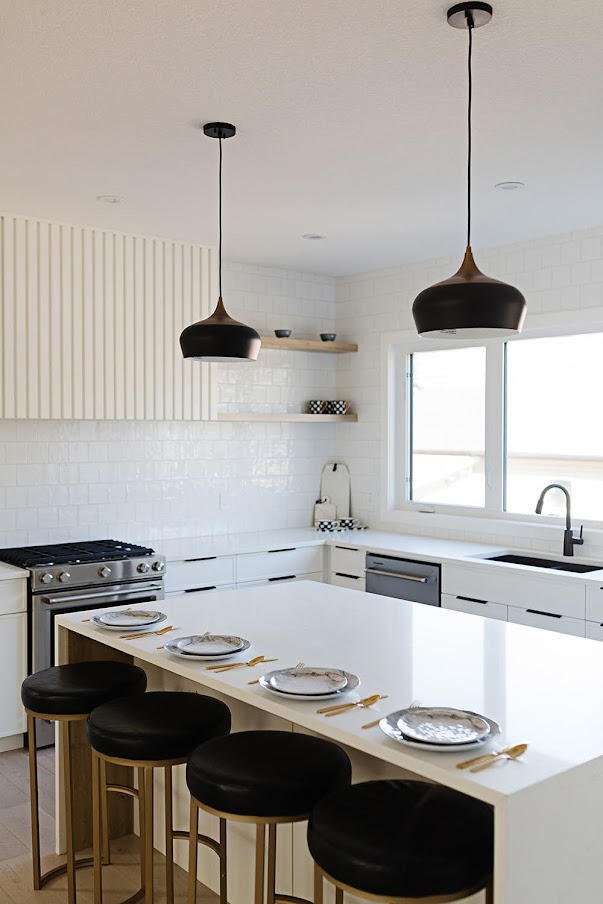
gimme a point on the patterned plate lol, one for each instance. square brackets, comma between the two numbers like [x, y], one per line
[391, 726]
[441, 725]
[128, 619]
[207, 646]
[309, 683]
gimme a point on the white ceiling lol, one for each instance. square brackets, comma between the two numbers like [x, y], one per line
[350, 116]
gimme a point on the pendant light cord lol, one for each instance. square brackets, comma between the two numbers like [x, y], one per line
[220, 222]
[470, 26]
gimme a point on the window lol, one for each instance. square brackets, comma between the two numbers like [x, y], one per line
[484, 428]
[447, 425]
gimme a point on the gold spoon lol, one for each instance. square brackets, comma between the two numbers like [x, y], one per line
[147, 633]
[510, 754]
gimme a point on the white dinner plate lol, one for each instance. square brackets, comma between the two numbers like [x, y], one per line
[207, 646]
[442, 725]
[389, 725]
[128, 620]
[273, 682]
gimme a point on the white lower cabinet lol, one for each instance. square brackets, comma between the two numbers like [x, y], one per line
[351, 581]
[13, 670]
[200, 574]
[484, 608]
[550, 621]
[286, 579]
[594, 630]
[279, 563]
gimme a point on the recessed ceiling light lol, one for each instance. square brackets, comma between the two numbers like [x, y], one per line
[110, 199]
[509, 186]
[313, 236]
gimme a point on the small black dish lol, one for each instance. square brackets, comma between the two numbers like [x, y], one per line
[328, 337]
[282, 334]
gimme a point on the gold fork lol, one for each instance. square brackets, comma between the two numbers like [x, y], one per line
[226, 667]
[344, 707]
[147, 633]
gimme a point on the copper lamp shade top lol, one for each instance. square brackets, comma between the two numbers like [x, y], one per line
[220, 338]
[469, 305]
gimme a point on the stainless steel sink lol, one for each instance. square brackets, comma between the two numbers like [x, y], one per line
[553, 564]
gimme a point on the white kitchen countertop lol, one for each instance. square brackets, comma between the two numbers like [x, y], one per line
[12, 573]
[544, 688]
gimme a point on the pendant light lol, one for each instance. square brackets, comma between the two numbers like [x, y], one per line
[469, 304]
[219, 337]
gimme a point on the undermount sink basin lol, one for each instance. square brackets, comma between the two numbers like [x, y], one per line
[553, 564]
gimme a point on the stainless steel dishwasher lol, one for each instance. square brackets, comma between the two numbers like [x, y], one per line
[404, 579]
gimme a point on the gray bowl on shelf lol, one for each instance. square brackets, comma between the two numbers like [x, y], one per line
[328, 337]
[282, 334]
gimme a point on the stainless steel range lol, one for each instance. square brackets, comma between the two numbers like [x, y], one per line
[74, 577]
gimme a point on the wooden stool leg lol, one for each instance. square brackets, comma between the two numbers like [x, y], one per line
[338, 895]
[148, 834]
[192, 854]
[169, 838]
[223, 862]
[104, 812]
[142, 823]
[68, 791]
[98, 827]
[33, 796]
[270, 894]
[260, 847]
[490, 893]
[318, 885]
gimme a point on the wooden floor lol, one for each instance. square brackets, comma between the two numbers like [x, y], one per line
[120, 879]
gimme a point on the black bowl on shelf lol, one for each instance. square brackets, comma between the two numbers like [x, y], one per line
[328, 337]
[282, 334]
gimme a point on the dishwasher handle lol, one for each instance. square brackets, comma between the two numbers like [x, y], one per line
[395, 574]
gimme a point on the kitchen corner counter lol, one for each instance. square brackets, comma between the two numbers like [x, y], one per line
[12, 573]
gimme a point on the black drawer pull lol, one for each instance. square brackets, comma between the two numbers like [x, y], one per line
[353, 549]
[202, 559]
[285, 577]
[472, 599]
[342, 574]
[199, 589]
[289, 549]
[538, 612]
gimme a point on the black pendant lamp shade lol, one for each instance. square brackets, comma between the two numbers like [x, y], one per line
[219, 337]
[469, 304]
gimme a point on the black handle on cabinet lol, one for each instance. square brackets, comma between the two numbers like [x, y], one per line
[199, 589]
[472, 599]
[202, 559]
[352, 549]
[342, 574]
[285, 577]
[288, 549]
[538, 612]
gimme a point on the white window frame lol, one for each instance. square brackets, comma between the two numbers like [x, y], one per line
[482, 523]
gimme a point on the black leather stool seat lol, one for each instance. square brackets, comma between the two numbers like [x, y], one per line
[403, 839]
[68, 690]
[266, 773]
[161, 725]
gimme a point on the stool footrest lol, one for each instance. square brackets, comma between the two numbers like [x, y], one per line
[290, 899]
[137, 896]
[123, 789]
[201, 839]
[62, 869]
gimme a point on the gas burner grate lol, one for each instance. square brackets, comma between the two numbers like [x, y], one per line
[72, 553]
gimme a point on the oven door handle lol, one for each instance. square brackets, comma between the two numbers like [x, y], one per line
[69, 598]
[394, 574]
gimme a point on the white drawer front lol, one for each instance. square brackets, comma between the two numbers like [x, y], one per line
[13, 597]
[475, 607]
[211, 589]
[278, 563]
[594, 630]
[562, 624]
[341, 579]
[594, 602]
[274, 582]
[198, 574]
[347, 560]
[548, 593]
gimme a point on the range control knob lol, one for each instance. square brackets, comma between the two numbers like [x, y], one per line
[158, 566]
[64, 577]
[143, 568]
[104, 572]
[46, 578]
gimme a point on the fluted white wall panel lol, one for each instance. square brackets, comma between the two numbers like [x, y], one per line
[90, 321]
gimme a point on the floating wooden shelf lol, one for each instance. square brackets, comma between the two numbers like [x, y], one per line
[308, 345]
[290, 418]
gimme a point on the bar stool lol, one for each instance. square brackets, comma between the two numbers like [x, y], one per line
[159, 730]
[66, 694]
[264, 778]
[402, 841]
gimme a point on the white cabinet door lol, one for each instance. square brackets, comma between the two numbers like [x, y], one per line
[13, 597]
[548, 620]
[13, 670]
[200, 574]
[594, 602]
[347, 560]
[474, 606]
[352, 582]
[279, 563]
[272, 582]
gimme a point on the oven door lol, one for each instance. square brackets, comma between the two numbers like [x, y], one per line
[46, 606]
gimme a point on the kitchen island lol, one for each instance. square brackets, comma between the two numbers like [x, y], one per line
[542, 688]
